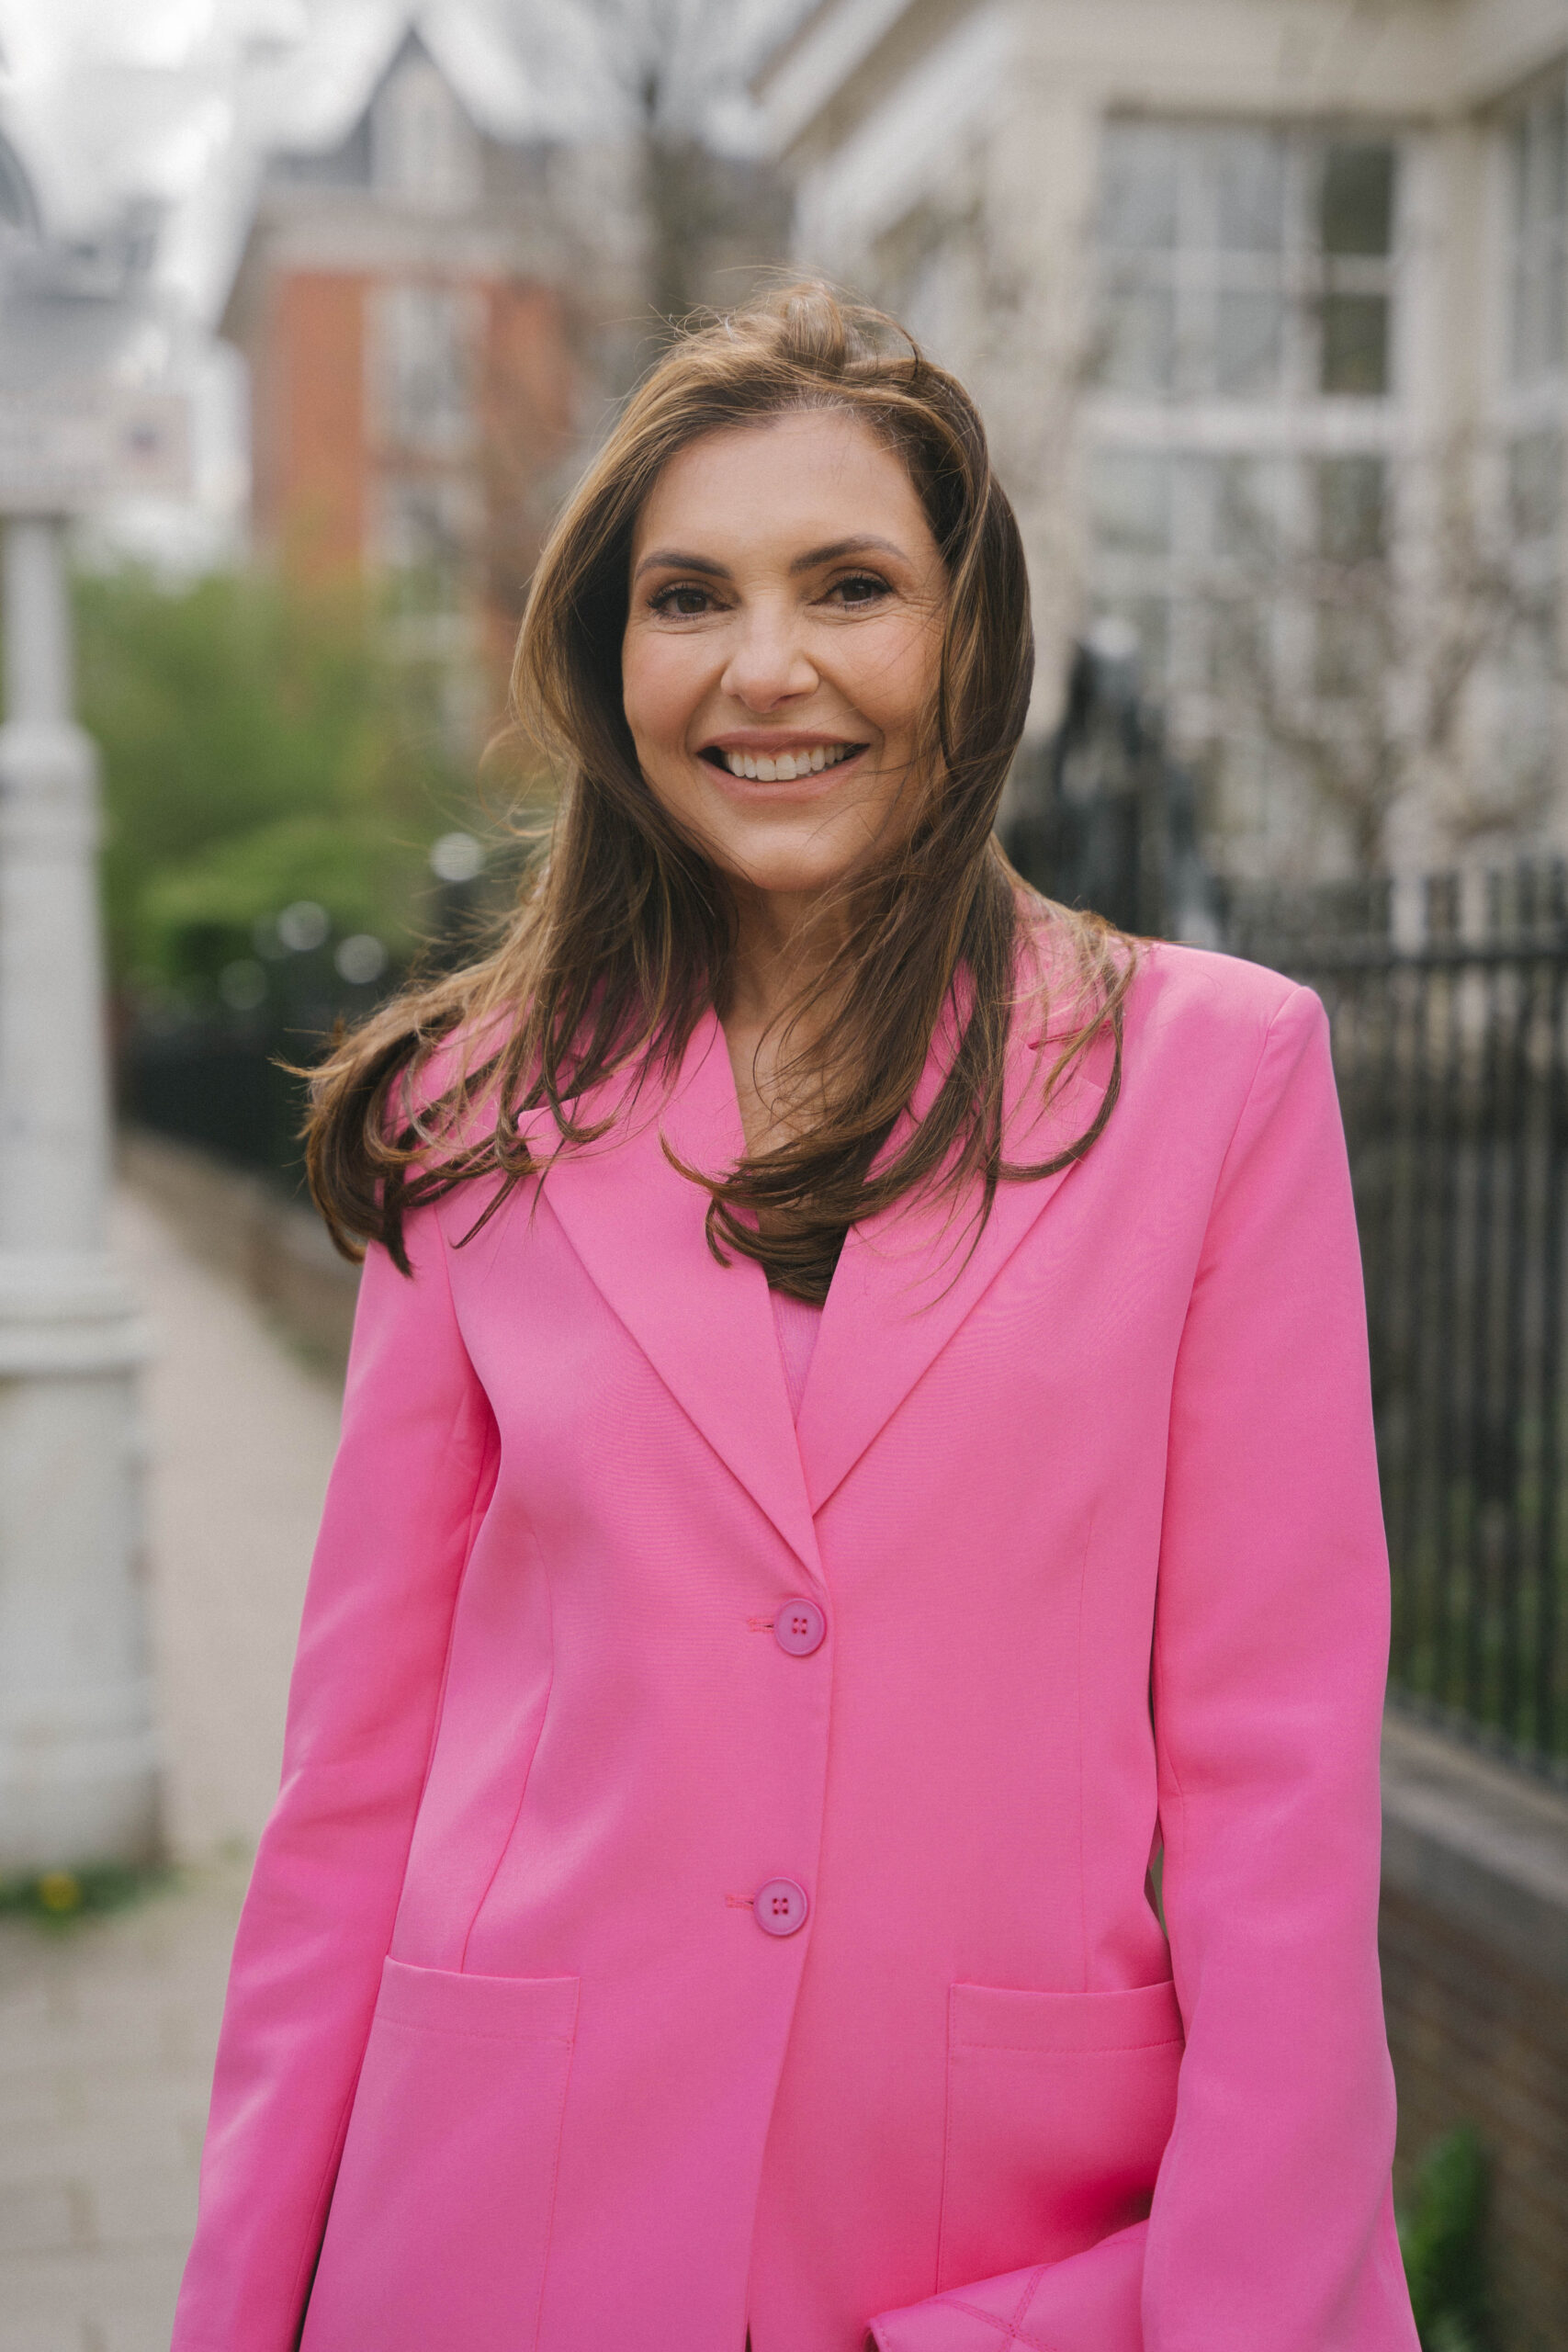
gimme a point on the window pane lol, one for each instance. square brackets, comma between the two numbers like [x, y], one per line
[1535, 486]
[1149, 621]
[1249, 191]
[1140, 339]
[1538, 157]
[1358, 200]
[1532, 651]
[423, 353]
[1551, 307]
[1354, 343]
[1138, 196]
[1130, 494]
[1351, 523]
[425, 531]
[1349, 649]
[1249, 330]
[1239, 664]
[1527, 341]
[1245, 523]
[1552, 138]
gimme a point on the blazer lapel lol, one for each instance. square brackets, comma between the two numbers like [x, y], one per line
[708, 1329]
[908, 1277]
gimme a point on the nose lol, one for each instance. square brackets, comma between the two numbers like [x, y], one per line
[768, 663]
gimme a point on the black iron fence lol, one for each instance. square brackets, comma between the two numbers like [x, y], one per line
[1452, 1049]
[1451, 1041]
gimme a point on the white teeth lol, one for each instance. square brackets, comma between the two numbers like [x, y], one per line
[785, 767]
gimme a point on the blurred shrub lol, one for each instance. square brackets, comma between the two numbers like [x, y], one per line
[195, 919]
[59, 1898]
[1441, 2236]
[260, 745]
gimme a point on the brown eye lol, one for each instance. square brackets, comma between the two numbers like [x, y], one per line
[684, 604]
[859, 588]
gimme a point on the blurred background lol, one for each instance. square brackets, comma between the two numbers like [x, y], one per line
[309, 313]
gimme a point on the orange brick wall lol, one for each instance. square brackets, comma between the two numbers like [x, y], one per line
[528, 415]
[313, 456]
[311, 483]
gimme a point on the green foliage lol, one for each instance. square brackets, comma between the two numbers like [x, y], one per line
[196, 917]
[61, 1898]
[260, 744]
[1441, 2236]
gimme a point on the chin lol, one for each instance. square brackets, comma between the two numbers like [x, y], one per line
[793, 877]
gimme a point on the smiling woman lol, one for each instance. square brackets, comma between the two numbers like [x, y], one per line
[822, 1506]
[775, 682]
[794, 539]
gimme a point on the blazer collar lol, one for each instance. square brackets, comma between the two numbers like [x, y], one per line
[909, 1276]
[903, 1283]
[637, 1226]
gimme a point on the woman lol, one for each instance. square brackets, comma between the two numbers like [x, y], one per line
[857, 1440]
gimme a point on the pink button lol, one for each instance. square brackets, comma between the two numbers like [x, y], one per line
[780, 1906]
[799, 1627]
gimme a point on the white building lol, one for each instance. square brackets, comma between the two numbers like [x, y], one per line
[1267, 303]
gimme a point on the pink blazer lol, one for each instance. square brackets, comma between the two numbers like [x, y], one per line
[708, 1884]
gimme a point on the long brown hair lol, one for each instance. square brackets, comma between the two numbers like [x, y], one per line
[625, 930]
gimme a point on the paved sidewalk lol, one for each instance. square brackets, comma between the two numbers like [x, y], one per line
[106, 2031]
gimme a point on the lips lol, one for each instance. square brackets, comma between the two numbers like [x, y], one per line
[782, 766]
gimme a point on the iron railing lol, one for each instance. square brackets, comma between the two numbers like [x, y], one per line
[1452, 1049]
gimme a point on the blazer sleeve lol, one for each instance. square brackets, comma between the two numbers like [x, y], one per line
[1271, 2228]
[407, 1492]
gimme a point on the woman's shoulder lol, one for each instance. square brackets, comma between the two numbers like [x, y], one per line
[1163, 987]
[1225, 995]
[1210, 1032]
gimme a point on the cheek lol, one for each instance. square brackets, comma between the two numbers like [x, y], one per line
[661, 685]
[897, 676]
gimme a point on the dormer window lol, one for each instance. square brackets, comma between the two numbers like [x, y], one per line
[423, 150]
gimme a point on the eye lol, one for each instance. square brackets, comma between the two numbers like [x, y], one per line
[859, 588]
[681, 601]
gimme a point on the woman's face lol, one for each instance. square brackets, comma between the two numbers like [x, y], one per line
[782, 645]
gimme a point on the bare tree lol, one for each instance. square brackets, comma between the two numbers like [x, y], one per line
[1356, 665]
[671, 73]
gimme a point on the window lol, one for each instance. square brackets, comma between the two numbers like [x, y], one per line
[1245, 263]
[1538, 173]
[1243, 428]
[423, 344]
[424, 149]
[426, 535]
[1532, 429]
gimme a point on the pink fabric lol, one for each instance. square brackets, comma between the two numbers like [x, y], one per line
[797, 1324]
[506, 2062]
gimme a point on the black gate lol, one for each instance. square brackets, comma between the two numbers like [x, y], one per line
[1453, 1079]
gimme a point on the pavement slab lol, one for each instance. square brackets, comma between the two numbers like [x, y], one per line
[107, 2027]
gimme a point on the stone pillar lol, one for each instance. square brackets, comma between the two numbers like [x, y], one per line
[77, 1779]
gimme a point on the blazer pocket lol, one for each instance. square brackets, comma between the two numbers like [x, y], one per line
[1058, 2108]
[440, 2220]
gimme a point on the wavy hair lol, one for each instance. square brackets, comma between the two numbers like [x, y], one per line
[623, 933]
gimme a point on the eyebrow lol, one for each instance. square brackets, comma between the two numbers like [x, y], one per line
[675, 560]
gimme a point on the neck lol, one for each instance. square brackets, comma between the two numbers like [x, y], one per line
[784, 941]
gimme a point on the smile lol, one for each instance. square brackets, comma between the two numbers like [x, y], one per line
[784, 767]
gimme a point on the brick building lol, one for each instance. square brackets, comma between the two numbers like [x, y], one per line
[414, 381]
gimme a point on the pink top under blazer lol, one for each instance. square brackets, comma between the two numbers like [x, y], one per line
[515, 2061]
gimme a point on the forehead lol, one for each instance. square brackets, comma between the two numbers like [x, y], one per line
[811, 477]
